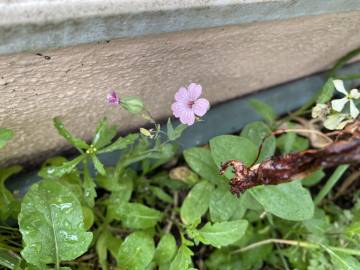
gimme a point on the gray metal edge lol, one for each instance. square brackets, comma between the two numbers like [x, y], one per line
[30, 25]
[226, 118]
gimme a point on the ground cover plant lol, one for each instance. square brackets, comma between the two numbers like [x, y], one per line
[161, 209]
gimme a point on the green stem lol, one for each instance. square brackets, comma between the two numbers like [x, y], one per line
[342, 61]
[335, 177]
[302, 244]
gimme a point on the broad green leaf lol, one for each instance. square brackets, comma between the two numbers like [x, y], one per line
[110, 182]
[201, 161]
[77, 142]
[290, 142]
[120, 143]
[182, 260]
[228, 147]
[9, 206]
[98, 165]
[326, 92]
[264, 110]
[104, 134]
[196, 203]
[166, 249]
[136, 252]
[5, 136]
[174, 134]
[260, 134]
[138, 216]
[59, 171]
[51, 223]
[222, 205]
[223, 233]
[288, 201]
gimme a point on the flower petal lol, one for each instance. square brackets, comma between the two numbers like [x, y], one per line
[178, 108]
[201, 106]
[339, 104]
[187, 117]
[339, 85]
[194, 91]
[354, 112]
[355, 94]
[113, 98]
[182, 95]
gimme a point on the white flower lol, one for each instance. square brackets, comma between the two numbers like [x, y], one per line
[339, 104]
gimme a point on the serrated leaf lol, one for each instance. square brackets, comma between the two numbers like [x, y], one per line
[283, 200]
[196, 203]
[138, 216]
[89, 187]
[9, 206]
[5, 136]
[104, 134]
[120, 143]
[182, 260]
[223, 233]
[222, 205]
[201, 162]
[264, 110]
[51, 223]
[77, 142]
[136, 252]
[166, 249]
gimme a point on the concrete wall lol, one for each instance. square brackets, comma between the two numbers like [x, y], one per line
[229, 61]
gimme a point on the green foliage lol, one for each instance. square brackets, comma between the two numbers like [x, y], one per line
[152, 211]
[51, 223]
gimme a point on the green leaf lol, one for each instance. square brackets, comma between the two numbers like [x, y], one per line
[136, 252]
[9, 206]
[88, 217]
[104, 134]
[264, 110]
[174, 134]
[313, 178]
[260, 134]
[228, 147]
[89, 187]
[201, 161]
[222, 205]
[77, 142]
[51, 223]
[196, 203]
[59, 171]
[98, 165]
[182, 260]
[342, 261]
[284, 200]
[101, 249]
[120, 143]
[224, 233]
[166, 249]
[5, 136]
[138, 216]
[161, 194]
[326, 92]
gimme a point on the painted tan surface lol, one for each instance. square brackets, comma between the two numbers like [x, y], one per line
[228, 62]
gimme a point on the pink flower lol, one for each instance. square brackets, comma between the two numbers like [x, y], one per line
[113, 98]
[187, 104]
